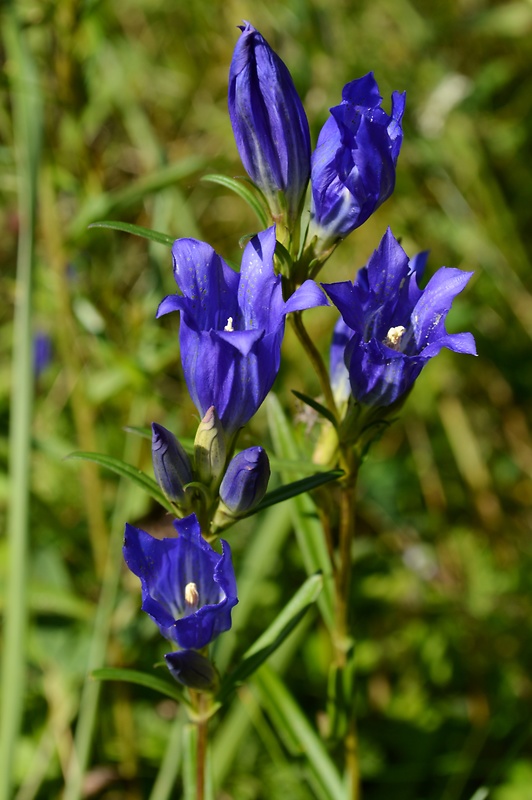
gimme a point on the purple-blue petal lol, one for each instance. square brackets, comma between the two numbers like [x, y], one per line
[339, 372]
[308, 295]
[428, 316]
[260, 295]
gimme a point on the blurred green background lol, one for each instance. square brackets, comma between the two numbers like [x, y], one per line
[128, 101]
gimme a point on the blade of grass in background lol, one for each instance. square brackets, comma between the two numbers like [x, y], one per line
[88, 712]
[27, 125]
[293, 726]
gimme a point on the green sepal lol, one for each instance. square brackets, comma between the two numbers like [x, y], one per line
[127, 471]
[273, 636]
[136, 230]
[321, 409]
[256, 203]
[141, 679]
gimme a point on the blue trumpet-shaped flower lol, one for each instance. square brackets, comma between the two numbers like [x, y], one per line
[188, 589]
[232, 325]
[391, 328]
[269, 122]
[353, 166]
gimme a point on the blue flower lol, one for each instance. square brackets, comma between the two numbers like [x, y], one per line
[390, 327]
[246, 480]
[353, 166]
[232, 325]
[269, 123]
[188, 589]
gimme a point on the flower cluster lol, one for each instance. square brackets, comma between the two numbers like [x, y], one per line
[352, 170]
[232, 326]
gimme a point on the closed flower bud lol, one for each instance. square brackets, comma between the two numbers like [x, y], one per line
[210, 450]
[246, 480]
[193, 670]
[269, 123]
[171, 464]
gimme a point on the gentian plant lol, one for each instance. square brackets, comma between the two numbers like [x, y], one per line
[231, 332]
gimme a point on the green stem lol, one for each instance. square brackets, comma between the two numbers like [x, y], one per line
[316, 360]
[201, 702]
[342, 639]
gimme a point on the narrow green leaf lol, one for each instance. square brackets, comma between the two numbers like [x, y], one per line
[144, 433]
[294, 728]
[287, 466]
[309, 533]
[243, 191]
[127, 471]
[274, 635]
[171, 763]
[136, 230]
[99, 206]
[296, 488]
[316, 406]
[141, 679]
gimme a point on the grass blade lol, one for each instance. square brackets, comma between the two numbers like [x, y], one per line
[242, 190]
[275, 634]
[136, 230]
[141, 679]
[308, 530]
[294, 728]
[27, 116]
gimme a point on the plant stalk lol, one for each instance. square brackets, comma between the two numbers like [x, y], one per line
[316, 361]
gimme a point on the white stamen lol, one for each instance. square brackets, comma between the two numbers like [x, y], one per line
[229, 326]
[191, 594]
[394, 336]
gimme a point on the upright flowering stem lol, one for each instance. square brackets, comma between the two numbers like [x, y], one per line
[350, 464]
[201, 704]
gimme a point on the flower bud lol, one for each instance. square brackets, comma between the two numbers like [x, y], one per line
[171, 464]
[210, 451]
[192, 669]
[246, 480]
[269, 123]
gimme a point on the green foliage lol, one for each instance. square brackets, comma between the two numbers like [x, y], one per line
[134, 113]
